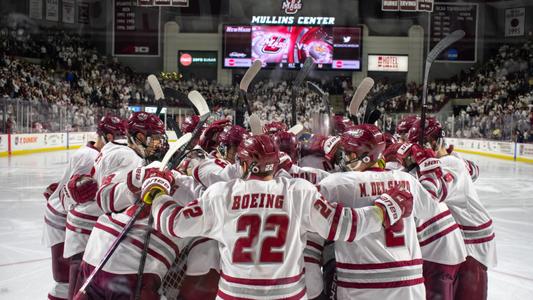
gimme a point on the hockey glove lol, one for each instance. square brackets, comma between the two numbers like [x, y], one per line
[395, 204]
[156, 183]
[50, 190]
[82, 188]
[137, 175]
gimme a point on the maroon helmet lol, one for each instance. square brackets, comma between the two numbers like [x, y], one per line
[405, 124]
[110, 124]
[432, 131]
[146, 123]
[273, 127]
[260, 152]
[288, 143]
[189, 123]
[366, 140]
[340, 124]
[232, 136]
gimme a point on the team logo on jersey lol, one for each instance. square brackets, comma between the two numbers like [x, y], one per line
[274, 44]
[115, 120]
[291, 7]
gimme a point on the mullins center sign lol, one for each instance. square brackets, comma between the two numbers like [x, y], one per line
[290, 8]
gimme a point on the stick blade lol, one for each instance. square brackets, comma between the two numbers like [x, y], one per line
[255, 125]
[199, 102]
[250, 75]
[306, 69]
[296, 129]
[156, 87]
[362, 90]
[446, 42]
[174, 147]
[315, 88]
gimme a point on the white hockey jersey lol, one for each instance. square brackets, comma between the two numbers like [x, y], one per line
[213, 170]
[55, 215]
[317, 162]
[310, 174]
[473, 219]
[385, 264]
[110, 167]
[261, 231]
[162, 250]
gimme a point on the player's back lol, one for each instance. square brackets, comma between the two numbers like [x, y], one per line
[473, 218]
[261, 237]
[113, 159]
[384, 264]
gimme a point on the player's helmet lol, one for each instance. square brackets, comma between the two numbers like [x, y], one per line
[209, 138]
[365, 140]
[341, 124]
[260, 153]
[155, 145]
[229, 138]
[110, 124]
[146, 123]
[189, 123]
[288, 143]
[273, 127]
[405, 124]
[432, 131]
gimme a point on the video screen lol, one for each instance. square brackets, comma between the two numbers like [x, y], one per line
[289, 46]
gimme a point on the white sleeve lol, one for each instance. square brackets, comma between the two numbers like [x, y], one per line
[215, 170]
[198, 218]
[334, 222]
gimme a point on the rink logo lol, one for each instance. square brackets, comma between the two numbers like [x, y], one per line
[25, 140]
[291, 7]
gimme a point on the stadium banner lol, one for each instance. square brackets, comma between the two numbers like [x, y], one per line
[68, 11]
[388, 63]
[448, 17]
[3, 143]
[36, 9]
[514, 21]
[408, 5]
[83, 13]
[135, 29]
[52, 10]
[78, 138]
[524, 151]
[390, 5]
[180, 3]
[425, 5]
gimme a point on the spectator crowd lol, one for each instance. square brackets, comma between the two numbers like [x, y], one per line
[69, 85]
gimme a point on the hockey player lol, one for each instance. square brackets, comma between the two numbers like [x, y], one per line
[118, 278]
[209, 138]
[274, 127]
[260, 223]
[404, 126]
[288, 144]
[81, 162]
[386, 264]
[473, 218]
[314, 153]
[145, 140]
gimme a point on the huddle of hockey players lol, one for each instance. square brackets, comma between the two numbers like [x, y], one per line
[357, 215]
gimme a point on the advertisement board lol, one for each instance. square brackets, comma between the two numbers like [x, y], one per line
[388, 63]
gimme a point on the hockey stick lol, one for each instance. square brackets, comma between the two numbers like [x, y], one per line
[304, 72]
[432, 55]
[357, 99]
[129, 225]
[246, 81]
[158, 92]
[325, 96]
[372, 113]
[255, 125]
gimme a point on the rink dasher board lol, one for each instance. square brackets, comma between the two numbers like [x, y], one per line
[496, 149]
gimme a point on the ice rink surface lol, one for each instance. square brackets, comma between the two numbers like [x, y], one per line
[506, 189]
